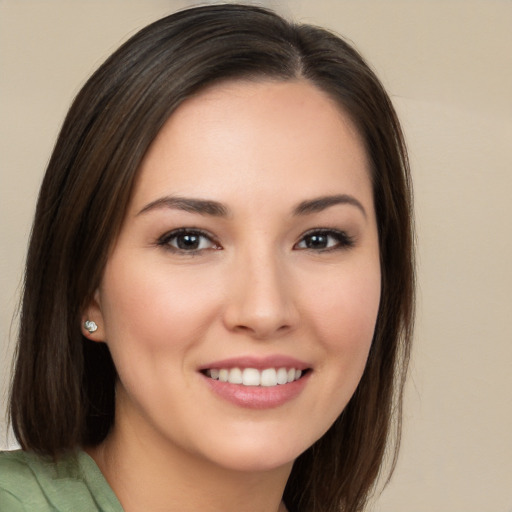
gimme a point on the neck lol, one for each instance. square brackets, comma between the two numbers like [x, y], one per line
[154, 476]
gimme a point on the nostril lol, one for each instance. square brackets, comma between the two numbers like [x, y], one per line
[259, 311]
[262, 330]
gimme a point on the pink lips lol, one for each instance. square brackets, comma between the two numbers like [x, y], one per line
[259, 363]
[257, 397]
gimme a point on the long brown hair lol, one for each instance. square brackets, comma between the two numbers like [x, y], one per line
[62, 394]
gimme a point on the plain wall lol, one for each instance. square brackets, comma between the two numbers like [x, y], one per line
[448, 68]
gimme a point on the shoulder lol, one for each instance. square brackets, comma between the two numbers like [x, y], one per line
[29, 482]
[17, 480]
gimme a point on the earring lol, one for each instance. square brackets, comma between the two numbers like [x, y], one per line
[90, 326]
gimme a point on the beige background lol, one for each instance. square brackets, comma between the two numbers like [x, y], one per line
[448, 68]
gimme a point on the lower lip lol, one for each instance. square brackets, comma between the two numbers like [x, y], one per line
[257, 397]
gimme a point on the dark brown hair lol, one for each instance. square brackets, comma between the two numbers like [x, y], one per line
[63, 387]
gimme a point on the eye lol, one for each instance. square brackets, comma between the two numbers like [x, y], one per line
[187, 240]
[325, 240]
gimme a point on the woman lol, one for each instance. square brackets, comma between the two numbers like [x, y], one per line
[219, 286]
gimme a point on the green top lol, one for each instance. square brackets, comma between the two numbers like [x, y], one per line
[30, 483]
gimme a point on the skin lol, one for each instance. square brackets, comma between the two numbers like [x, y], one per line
[254, 287]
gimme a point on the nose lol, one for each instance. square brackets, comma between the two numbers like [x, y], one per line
[262, 302]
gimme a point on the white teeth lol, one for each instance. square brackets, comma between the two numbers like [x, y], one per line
[282, 376]
[269, 377]
[235, 376]
[253, 377]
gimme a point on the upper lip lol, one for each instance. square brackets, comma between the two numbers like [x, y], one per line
[259, 363]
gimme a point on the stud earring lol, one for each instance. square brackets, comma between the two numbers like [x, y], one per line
[90, 326]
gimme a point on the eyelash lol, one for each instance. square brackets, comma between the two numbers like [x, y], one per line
[165, 240]
[342, 240]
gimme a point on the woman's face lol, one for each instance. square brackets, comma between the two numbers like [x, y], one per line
[249, 253]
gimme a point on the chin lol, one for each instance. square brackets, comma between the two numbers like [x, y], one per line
[249, 462]
[256, 455]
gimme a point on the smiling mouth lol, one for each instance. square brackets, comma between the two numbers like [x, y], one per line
[267, 377]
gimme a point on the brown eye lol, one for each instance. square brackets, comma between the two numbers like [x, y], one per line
[321, 240]
[187, 240]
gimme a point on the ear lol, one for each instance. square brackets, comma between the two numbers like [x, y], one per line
[92, 324]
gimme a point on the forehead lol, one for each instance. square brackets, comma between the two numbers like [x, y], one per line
[257, 136]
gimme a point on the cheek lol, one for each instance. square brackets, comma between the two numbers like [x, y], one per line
[154, 320]
[345, 312]
[148, 311]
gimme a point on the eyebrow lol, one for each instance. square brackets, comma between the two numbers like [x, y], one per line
[200, 206]
[216, 209]
[322, 203]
